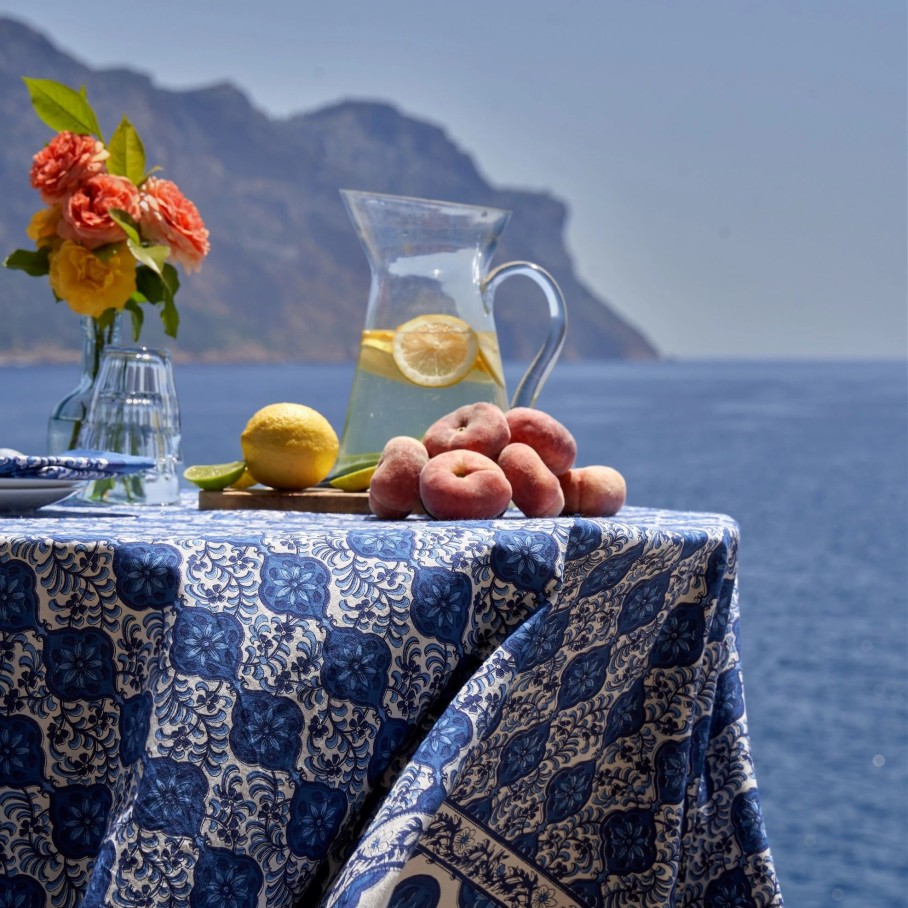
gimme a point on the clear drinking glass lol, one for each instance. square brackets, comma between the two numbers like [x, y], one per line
[134, 410]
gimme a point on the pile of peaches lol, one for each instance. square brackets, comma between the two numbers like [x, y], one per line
[472, 463]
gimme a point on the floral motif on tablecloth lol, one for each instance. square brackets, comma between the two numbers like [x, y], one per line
[148, 576]
[297, 586]
[225, 880]
[355, 666]
[206, 644]
[171, 797]
[266, 730]
[568, 790]
[18, 598]
[21, 754]
[79, 664]
[441, 603]
[316, 814]
[526, 558]
[21, 891]
[78, 817]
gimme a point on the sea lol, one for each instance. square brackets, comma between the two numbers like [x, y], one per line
[811, 459]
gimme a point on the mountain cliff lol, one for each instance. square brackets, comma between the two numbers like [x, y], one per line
[286, 278]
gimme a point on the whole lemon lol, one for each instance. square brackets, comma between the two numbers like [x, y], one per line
[289, 446]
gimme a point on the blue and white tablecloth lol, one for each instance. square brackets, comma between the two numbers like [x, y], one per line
[238, 709]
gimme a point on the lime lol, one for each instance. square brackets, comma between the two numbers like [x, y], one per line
[215, 476]
[357, 481]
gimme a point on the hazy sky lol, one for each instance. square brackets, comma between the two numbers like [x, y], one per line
[735, 171]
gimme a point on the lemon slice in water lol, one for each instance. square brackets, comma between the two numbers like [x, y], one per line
[435, 351]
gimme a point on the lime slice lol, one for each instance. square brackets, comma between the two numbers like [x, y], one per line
[215, 476]
[358, 481]
[353, 464]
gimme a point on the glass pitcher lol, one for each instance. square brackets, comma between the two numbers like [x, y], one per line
[429, 344]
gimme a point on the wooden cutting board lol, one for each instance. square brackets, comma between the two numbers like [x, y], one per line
[317, 501]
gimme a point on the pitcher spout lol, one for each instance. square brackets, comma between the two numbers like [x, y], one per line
[391, 227]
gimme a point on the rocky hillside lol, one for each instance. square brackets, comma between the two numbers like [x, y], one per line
[286, 278]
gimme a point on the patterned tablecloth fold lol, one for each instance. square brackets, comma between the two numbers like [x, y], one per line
[205, 709]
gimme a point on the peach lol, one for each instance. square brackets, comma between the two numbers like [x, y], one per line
[534, 487]
[480, 427]
[463, 485]
[595, 491]
[545, 435]
[394, 489]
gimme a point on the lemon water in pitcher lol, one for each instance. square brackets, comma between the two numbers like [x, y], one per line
[429, 344]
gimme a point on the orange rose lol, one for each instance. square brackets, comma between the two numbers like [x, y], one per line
[86, 213]
[90, 283]
[169, 218]
[64, 162]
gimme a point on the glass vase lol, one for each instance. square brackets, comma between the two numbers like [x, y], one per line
[67, 416]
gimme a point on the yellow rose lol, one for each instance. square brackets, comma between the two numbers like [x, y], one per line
[43, 226]
[90, 284]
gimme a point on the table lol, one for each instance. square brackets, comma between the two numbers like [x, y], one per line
[259, 708]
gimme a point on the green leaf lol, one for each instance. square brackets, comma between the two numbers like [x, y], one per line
[127, 153]
[172, 279]
[150, 284]
[105, 319]
[170, 318]
[157, 286]
[152, 257]
[136, 314]
[34, 263]
[160, 288]
[61, 108]
[128, 223]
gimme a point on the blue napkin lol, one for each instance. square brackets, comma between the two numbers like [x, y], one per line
[77, 464]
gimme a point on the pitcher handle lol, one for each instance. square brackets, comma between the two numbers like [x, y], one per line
[540, 368]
